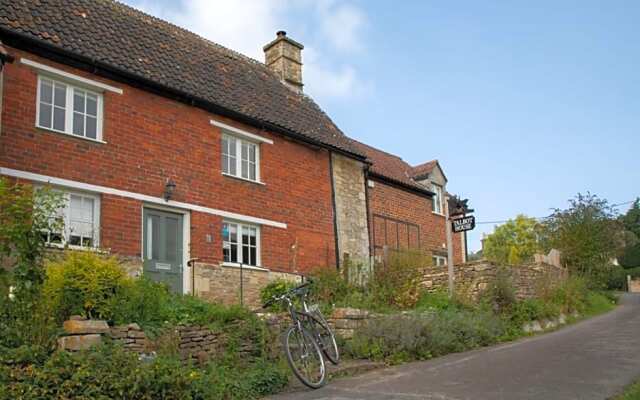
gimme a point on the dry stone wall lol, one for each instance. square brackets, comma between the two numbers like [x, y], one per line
[473, 278]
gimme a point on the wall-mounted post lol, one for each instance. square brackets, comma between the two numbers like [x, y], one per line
[449, 249]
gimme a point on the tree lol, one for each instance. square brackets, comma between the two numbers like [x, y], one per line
[588, 234]
[514, 242]
[630, 256]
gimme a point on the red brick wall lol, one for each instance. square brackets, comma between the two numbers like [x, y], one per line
[151, 138]
[402, 208]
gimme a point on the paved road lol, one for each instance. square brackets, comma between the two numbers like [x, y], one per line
[593, 359]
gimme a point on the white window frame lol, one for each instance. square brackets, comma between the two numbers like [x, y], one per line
[66, 211]
[239, 226]
[68, 126]
[438, 197]
[439, 261]
[238, 157]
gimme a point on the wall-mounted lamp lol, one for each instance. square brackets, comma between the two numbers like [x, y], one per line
[169, 188]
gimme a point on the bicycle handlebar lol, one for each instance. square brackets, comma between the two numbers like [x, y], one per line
[295, 291]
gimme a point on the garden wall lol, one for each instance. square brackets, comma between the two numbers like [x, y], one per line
[472, 278]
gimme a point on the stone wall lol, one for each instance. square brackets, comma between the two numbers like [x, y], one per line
[222, 283]
[474, 277]
[351, 209]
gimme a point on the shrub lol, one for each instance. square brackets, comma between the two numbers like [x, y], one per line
[436, 301]
[277, 287]
[83, 283]
[396, 282]
[500, 294]
[110, 372]
[570, 295]
[400, 338]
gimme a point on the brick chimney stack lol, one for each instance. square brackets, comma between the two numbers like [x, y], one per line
[284, 57]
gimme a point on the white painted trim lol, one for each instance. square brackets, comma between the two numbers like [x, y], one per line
[186, 242]
[70, 77]
[138, 196]
[249, 267]
[243, 179]
[240, 132]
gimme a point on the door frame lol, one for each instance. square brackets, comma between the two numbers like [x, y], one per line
[186, 240]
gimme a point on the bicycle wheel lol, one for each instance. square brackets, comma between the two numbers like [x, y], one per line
[304, 357]
[327, 340]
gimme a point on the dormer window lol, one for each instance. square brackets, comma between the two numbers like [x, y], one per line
[437, 199]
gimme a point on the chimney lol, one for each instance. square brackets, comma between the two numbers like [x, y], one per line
[283, 56]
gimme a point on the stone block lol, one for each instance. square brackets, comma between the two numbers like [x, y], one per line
[79, 342]
[136, 334]
[76, 327]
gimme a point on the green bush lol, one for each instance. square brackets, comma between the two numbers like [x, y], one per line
[277, 287]
[500, 294]
[399, 338]
[436, 301]
[110, 372]
[83, 283]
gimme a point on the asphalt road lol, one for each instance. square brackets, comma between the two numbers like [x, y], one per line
[593, 359]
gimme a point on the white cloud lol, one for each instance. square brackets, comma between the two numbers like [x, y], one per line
[246, 25]
[342, 24]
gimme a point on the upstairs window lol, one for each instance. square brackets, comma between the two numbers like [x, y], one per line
[240, 158]
[437, 199]
[68, 109]
[241, 244]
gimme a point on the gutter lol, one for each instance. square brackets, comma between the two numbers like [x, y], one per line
[42, 48]
[402, 185]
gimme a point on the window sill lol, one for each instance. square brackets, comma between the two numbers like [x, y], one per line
[250, 267]
[438, 214]
[76, 248]
[243, 179]
[71, 135]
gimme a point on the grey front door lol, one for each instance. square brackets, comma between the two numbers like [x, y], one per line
[162, 248]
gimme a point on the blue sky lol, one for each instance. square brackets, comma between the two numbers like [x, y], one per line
[525, 104]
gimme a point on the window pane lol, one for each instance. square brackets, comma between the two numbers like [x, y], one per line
[91, 130]
[92, 104]
[78, 100]
[233, 233]
[245, 151]
[232, 146]
[252, 238]
[78, 124]
[245, 255]
[60, 95]
[58, 118]
[225, 232]
[225, 157]
[253, 257]
[252, 172]
[45, 115]
[245, 169]
[232, 166]
[46, 91]
[172, 239]
[233, 257]
[252, 153]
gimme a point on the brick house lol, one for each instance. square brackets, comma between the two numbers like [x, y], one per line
[407, 206]
[170, 148]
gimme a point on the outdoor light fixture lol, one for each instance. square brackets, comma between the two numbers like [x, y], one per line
[169, 188]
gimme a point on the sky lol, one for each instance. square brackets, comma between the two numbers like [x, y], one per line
[525, 104]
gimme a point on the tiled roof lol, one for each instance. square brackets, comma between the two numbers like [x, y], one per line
[125, 39]
[390, 166]
[423, 169]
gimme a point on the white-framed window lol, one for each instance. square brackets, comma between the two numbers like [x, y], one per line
[439, 261]
[240, 158]
[437, 199]
[65, 108]
[241, 243]
[80, 221]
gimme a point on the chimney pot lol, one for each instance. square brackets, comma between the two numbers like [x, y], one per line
[283, 56]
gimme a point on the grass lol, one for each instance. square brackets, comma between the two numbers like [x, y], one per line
[632, 392]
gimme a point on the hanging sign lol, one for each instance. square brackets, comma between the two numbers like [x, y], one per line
[464, 224]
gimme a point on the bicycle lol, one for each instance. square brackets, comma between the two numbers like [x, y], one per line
[307, 339]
